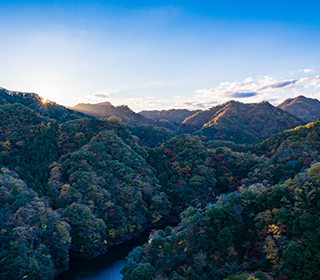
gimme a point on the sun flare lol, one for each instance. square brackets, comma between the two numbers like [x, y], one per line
[44, 101]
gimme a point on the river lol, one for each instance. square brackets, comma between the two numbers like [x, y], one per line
[104, 267]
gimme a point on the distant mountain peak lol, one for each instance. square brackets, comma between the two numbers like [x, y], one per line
[106, 110]
[305, 108]
[239, 122]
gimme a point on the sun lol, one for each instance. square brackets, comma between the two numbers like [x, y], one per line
[44, 101]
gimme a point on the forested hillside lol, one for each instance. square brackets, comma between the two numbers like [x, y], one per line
[239, 122]
[258, 232]
[34, 238]
[307, 109]
[246, 190]
[40, 105]
[174, 116]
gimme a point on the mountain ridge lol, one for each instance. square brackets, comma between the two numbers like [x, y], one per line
[303, 107]
[240, 122]
[106, 109]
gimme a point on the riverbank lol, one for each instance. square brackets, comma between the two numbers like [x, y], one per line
[109, 264]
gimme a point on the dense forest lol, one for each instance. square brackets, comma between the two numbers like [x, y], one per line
[242, 179]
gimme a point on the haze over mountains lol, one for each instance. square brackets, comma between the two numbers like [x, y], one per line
[106, 110]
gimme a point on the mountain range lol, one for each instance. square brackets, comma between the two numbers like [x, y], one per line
[243, 179]
[239, 122]
[231, 121]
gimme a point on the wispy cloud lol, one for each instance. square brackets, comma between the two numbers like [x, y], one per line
[194, 105]
[242, 94]
[138, 103]
[248, 88]
[306, 70]
[101, 95]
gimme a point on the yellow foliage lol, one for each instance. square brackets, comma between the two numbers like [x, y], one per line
[64, 189]
[156, 217]
[109, 203]
[4, 170]
[271, 250]
[79, 135]
[275, 231]
[112, 233]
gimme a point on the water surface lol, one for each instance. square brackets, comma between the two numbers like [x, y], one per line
[106, 267]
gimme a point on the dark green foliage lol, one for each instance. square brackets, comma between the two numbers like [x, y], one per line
[74, 134]
[174, 116]
[186, 172]
[102, 184]
[143, 271]
[34, 241]
[27, 144]
[38, 104]
[289, 152]
[273, 230]
[193, 175]
[108, 192]
[151, 136]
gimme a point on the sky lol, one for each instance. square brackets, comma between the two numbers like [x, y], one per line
[160, 54]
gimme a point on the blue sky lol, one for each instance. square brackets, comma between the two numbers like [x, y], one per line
[160, 55]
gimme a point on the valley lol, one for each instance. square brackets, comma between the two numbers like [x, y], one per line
[242, 181]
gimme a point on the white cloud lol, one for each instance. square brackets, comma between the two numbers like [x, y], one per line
[306, 70]
[249, 89]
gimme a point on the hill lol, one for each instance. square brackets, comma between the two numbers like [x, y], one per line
[89, 183]
[271, 231]
[34, 238]
[239, 122]
[289, 152]
[175, 116]
[307, 109]
[106, 110]
[107, 192]
[39, 105]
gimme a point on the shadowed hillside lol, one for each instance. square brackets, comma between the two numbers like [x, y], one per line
[175, 116]
[38, 104]
[106, 109]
